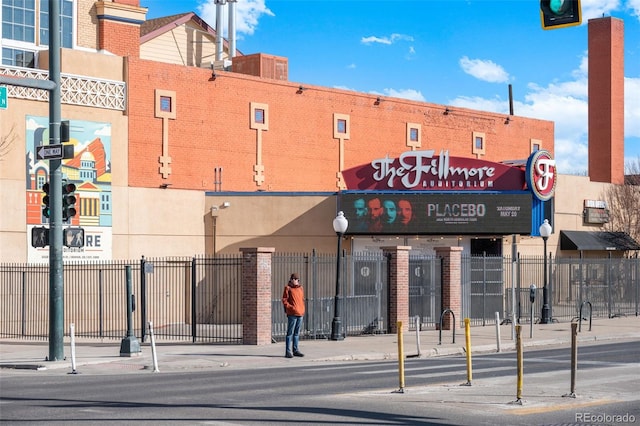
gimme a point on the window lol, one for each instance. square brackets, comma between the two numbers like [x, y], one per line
[165, 104]
[536, 145]
[259, 118]
[259, 115]
[20, 27]
[19, 20]
[341, 126]
[66, 23]
[413, 136]
[478, 144]
[18, 58]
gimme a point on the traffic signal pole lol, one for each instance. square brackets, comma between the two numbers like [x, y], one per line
[56, 283]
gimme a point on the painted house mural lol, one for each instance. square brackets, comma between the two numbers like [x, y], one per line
[89, 170]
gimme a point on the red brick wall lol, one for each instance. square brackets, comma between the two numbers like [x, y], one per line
[256, 295]
[129, 2]
[118, 38]
[212, 129]
[451, 284]
[398, 286]
[606, 100]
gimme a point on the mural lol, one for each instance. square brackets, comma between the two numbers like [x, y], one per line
[89, 170]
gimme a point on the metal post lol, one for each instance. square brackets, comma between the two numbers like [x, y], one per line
[514, 253]
[336, 324]
[546, 312]
[129, 345]
[56, 284]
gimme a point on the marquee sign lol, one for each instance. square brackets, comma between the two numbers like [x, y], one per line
[416, 213]
[426, 170]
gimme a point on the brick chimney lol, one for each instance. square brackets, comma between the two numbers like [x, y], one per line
[119, 26]
[606, 100]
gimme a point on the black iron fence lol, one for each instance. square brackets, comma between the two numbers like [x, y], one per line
[194, 299]
[199, 298]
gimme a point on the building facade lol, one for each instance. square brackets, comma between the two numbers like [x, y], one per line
[177, 153]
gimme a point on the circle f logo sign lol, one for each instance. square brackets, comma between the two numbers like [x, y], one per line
[541, 175]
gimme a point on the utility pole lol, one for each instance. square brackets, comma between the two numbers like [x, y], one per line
[56, 286]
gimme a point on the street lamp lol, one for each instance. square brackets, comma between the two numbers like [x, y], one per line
[545, 231]
[340, 224]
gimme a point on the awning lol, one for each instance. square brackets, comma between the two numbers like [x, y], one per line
[583, 240]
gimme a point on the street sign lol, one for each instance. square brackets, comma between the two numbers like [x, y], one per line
[3, 97]
[49, 152]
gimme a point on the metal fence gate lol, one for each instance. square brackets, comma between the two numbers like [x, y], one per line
[364, 293]
[425, 291]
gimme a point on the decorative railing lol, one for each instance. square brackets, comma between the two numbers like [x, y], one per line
[75, 89]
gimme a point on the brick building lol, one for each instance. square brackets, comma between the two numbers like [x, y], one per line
[190, 154]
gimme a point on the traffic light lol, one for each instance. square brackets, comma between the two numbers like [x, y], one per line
[39, 236]
[46, 210]
[73, 237]
[68, 201]
[560, 13]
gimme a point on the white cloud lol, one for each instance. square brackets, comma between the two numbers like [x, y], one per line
[597, 8]
[411, 94]
[386, 40]
[566, 104]
[248, 13]
[632, 107]
[484, 70]
[634, 6]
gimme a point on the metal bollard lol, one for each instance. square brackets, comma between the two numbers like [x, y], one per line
[520, 365]
[154, 355]
[498, 331]
[72, 334]
[467, 335]
[400, 358]
[574, 359]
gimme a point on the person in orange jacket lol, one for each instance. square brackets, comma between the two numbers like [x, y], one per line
[293, 301]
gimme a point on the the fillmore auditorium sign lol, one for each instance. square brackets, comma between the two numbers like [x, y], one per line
[422, 192]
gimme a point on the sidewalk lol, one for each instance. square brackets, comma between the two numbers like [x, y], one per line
[104, 356]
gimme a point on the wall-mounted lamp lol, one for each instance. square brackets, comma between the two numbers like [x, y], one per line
[300, 90]
[165, 185]
[446, 111]
[225, 205]
[378, 100]
[507, 120]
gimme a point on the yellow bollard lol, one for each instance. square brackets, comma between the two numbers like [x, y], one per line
[467, 335]
[400, 357]
[520, 364]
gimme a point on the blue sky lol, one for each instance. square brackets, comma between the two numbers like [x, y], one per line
[450, 52]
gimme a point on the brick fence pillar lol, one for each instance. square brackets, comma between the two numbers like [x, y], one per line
[398, 286]
[256, 295]
[451, 258]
